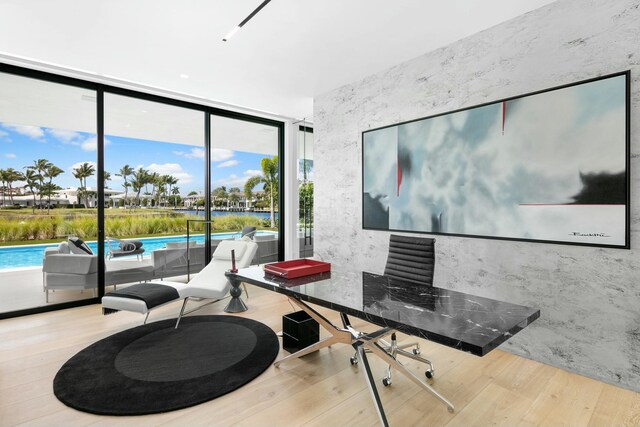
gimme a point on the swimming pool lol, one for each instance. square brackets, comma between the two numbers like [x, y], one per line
[31, 255]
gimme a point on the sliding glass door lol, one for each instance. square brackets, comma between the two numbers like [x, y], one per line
[48, 193]
[305, 190]
[154, 158]
[245, 182]
[97, 184]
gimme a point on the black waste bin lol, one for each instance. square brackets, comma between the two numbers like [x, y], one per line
[299, 330]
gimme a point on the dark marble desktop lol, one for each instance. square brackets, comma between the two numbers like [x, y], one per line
[466, 322]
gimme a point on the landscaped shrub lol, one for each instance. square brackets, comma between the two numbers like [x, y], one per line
[15, 228]
[236, 222]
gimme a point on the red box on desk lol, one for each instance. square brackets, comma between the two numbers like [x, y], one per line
[297, 268]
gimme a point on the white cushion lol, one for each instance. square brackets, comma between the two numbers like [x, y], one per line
[176, 245]
[180, 245]
[223, 251]
[137, 305]
[63, 248]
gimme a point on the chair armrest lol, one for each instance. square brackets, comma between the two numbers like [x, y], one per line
[50, 251]
[70, 264]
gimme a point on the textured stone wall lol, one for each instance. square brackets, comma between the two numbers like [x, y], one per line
[589, 297]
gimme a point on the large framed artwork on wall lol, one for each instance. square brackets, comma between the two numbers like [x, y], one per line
[550, 166]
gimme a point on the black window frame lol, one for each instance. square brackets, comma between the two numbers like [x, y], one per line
[101, 89]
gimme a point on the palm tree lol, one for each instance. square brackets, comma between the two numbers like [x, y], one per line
[78, 175]
[106, 177]
[170, 181]
[234, 195]
[83, 172]
[40, 166]
[161, 189]
[154, 180]
[31, 179]
[219, 195]
[10, 176]
[47, 190]
[51, 172]
[175, 192]
[126, 186]
[3, 179]
[140, 179]
[270, 178]
[125, 172]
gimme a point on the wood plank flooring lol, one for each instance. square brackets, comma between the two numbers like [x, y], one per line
[321, 389]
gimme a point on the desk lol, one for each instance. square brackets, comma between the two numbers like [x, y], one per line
[465, 322]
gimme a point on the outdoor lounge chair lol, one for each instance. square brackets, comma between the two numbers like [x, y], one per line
[210, 283]
[118, 248]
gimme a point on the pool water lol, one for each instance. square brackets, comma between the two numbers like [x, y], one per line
[31, 255]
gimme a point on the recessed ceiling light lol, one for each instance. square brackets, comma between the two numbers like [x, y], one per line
[240, 25]
[184, 76]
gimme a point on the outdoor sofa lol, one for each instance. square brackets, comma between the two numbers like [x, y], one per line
[65, 270]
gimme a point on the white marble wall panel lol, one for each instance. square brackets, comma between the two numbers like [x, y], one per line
[589, 297]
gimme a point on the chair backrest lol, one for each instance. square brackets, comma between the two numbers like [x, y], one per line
[248, 231]
[244, 252]
[213, 273]
[411, 259]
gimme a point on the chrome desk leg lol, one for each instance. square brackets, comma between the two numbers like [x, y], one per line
[362, 343]
[362, 356]
[381, 353]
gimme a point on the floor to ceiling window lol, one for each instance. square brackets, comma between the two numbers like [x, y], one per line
[48, 193]
[305, 190]
[245, 181]
[97, 184]
[154, 157]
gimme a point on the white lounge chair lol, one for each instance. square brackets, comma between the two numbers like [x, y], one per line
[210, 283]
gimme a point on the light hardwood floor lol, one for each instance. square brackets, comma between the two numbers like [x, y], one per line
[322, 389]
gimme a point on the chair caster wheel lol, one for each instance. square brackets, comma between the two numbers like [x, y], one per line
[386, 382]
[416, 351]
[450, 409]
[429, 374]
[353, 360]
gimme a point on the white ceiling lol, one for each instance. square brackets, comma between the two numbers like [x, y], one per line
[289, 52]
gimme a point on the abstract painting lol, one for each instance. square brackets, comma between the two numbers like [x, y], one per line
[550, 166]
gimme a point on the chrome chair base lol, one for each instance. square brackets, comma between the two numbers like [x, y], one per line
[393, 349]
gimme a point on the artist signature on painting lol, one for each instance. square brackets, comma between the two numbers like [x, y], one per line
[578, 234]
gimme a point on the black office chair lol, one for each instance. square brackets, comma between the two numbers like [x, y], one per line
[411, 259]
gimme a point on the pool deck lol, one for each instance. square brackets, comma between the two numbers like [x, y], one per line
[21, 289]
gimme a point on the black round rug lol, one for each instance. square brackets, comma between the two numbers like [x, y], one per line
[156, 368]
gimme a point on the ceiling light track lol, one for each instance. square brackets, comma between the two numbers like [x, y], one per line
[247, 19]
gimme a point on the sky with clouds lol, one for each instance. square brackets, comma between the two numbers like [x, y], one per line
[21, 145]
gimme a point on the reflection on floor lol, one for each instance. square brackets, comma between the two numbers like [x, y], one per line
[21, 289]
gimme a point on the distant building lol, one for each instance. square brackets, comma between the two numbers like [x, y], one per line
[190, 201]
[64, 197]
[90, 197]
